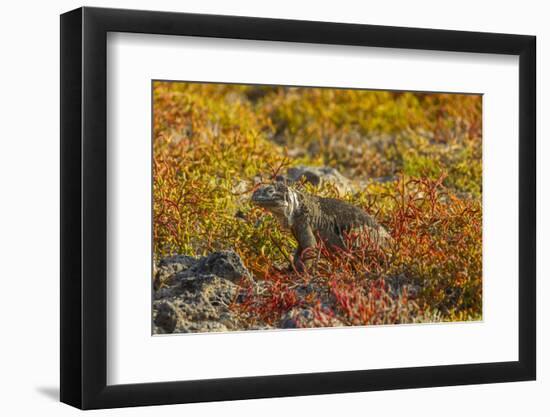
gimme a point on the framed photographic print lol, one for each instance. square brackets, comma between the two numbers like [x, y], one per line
[257, 207]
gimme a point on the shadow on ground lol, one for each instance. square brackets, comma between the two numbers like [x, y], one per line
[50, 392]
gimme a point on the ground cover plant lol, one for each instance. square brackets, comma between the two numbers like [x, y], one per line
[411, 160]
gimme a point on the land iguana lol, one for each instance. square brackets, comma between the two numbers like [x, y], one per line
[309, 217]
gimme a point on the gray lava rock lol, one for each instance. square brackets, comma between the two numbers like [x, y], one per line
[197, 294]
[166, 268]
[318, 176]
[166, 317]
[305, 317]
[399, 284]
[225, 264]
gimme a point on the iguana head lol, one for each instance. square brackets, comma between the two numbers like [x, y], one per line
[279, 199]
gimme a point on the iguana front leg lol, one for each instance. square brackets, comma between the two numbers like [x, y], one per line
[306, 239]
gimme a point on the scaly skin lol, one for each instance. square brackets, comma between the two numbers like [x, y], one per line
[309, 217]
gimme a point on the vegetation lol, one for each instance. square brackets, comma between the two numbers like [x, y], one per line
[415, 162]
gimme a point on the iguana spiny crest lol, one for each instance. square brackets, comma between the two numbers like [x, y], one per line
[310, 217]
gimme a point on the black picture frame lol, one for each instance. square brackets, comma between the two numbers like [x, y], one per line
[84, 207]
